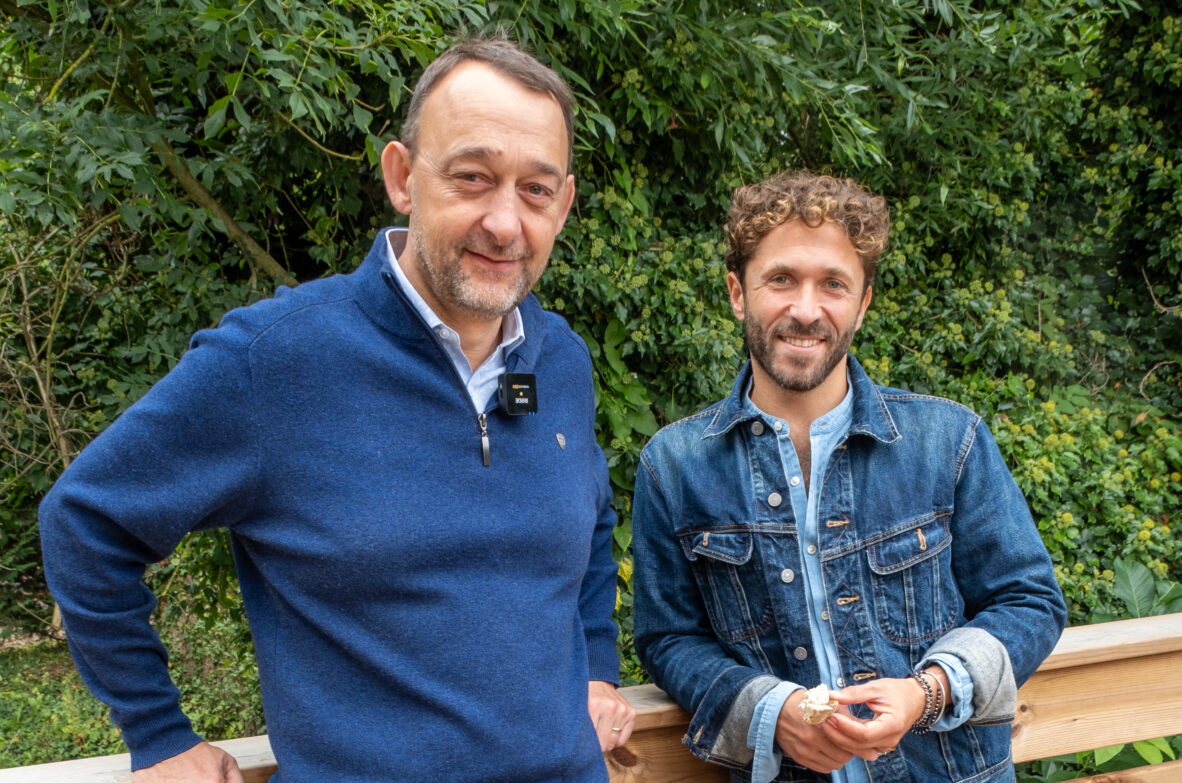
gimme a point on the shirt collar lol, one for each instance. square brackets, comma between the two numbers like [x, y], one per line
[868, 414]
[838, 418]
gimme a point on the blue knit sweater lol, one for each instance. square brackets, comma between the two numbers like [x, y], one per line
[416, 615]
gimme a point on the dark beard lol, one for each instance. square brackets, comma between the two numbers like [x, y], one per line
[797, 376]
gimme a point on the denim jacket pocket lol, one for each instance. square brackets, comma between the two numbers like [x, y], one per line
[915, 597]
[731, 586]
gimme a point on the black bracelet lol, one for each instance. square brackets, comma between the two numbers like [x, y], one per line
[929, 716]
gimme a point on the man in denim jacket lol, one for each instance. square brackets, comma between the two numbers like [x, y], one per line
[814, 528]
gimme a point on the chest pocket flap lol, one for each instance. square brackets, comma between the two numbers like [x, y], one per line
[925, 538]
[732, 547]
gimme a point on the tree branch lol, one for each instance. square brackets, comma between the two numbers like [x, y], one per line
[1152, 370]
[256, 255]
[317, 144]
[1157, 302]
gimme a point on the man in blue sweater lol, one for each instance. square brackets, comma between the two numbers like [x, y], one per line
[427, 573]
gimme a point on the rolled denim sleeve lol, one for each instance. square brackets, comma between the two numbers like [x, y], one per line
[674, 639]
[960, 699]
[1004, 574]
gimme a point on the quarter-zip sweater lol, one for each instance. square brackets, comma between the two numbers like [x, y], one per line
[417, 615]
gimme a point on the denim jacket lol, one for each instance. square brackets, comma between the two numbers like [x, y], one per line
[926, 545]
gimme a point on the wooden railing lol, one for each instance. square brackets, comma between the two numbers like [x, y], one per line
[1103, 685]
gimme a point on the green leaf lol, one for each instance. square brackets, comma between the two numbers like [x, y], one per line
[1134, 586]
[1106, 754]
[1149, 751]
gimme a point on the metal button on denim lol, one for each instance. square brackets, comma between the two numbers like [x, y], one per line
[779, 425]
[800, 653]
[787, 575]
[812, 549]
[757, 428]
[794, 481]
[825, 615]
[774, 499]
[841, 682]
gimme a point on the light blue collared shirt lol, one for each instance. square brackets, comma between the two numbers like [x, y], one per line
[481, 383]
[825, 435]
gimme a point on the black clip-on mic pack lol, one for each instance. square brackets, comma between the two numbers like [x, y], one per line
[517, 393]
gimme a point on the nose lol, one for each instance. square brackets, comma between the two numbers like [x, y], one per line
[807, 305]
[502, 219]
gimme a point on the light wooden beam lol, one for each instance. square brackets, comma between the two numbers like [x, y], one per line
[1103, 685]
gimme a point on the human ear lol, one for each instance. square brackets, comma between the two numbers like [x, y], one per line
[738, 302]
[865, 306]
[396, 173]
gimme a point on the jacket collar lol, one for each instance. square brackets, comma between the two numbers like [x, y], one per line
[870, 414]
[376, 291]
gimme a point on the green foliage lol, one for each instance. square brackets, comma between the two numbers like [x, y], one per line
[46, 713]
[1026, 149]
[1100, 761]
[202, 623]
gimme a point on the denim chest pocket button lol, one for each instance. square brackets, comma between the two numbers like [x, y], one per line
[731, 582]
[910, 546]
[733, 548]
[915, 593]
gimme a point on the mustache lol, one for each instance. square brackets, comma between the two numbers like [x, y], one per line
[791, 327]
[487, 246]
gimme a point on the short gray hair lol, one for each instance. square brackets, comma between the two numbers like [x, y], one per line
[508, 59]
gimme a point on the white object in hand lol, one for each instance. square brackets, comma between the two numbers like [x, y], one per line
[817, 706]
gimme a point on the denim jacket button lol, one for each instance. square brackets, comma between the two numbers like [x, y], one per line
[794, 481]
[757, 428]
[812, 549]
[774, 499]
[841, 682]
[800, 653]
[779, 425]
[786, 576]
[825, 615]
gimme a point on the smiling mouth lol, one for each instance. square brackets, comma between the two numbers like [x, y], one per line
[802, 342]
[491, 259]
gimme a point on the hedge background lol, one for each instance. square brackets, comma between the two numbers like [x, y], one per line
[163, 162]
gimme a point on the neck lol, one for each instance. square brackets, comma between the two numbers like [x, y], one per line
[799, 408]
[479, 336]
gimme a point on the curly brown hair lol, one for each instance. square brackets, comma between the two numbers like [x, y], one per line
[814, 199]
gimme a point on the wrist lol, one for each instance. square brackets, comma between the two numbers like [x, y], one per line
[935, 700]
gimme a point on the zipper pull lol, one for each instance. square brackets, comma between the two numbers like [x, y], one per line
[482, 420]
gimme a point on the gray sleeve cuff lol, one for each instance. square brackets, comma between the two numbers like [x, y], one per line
[995, 693]
[732, 737]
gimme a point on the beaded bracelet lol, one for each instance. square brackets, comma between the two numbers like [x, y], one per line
[941, 700]
[930, 715]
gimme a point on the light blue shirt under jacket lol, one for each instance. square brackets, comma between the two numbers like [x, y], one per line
[825, 435]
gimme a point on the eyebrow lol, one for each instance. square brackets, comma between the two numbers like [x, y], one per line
[783, 267]
[486, 154]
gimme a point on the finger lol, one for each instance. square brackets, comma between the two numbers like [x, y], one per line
[854, 694]
[860, 739]
[626, 727]
[233, 773]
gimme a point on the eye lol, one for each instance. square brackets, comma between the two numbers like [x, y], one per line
[537, 193]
